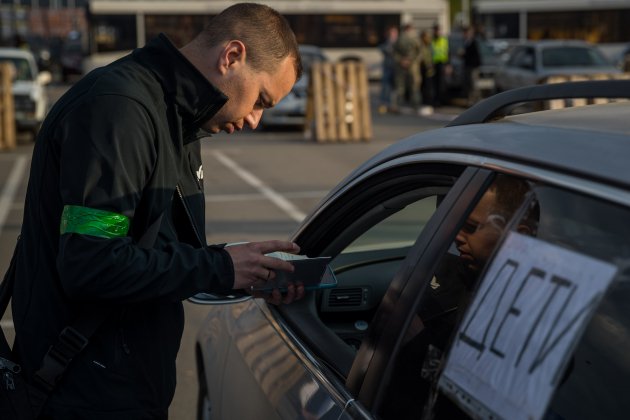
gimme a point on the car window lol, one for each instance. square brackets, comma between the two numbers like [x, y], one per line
[551, 347]
[572, 57]
[515, 57]
[594, 381]
[526, 60]
[366, 267]
[368, 231]
[446, 296]
[398, 230]
[22, 68]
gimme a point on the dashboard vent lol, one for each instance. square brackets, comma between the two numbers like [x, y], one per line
[345, 297]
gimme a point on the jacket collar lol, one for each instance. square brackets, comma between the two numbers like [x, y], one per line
[196, 99]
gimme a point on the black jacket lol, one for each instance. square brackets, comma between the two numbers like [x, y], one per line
[472, 56]
[123, 139]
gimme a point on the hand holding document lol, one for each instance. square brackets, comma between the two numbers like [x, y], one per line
[313, 273]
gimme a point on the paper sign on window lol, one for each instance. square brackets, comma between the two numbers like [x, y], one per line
[511, 349]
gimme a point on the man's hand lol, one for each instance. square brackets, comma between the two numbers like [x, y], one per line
[252, 268]
[294, 292]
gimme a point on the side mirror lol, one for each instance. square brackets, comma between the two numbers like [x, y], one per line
[44, 77]
[215, 299]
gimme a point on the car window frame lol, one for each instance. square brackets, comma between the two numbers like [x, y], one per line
[301, 317]
[374, 359]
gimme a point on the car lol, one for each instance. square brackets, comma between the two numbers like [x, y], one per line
[532, 322]
[291, 110]
[533, 62]
[29, 94]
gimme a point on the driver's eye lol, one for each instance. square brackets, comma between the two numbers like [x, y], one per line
[470, 227]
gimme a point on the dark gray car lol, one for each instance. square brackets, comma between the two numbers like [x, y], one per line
[540, 330]
[534, 62]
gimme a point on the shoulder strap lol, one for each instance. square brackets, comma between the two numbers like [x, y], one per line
[73, 338]
[6, 290]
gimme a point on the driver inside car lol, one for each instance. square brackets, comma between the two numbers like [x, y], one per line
[449, 292]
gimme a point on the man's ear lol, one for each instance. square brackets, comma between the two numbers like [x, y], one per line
[233, 53]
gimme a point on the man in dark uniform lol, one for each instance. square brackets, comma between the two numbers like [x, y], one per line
[114, 212]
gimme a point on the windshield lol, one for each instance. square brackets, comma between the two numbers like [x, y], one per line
[22, 68]
[572, 57]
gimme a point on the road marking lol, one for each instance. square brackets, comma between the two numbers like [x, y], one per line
[276, 198]
[10, 189]
[7, 323]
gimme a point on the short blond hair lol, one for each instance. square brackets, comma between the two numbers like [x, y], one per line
[265, 33]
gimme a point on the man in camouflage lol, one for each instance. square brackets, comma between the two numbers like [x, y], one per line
[407, 71]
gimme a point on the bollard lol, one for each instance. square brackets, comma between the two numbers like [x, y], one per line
[7, 110]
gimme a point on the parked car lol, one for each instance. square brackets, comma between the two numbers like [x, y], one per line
[532, 62]
[539, 327]
[291, 110]
[29, 95]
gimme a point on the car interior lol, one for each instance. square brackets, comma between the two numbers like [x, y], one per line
[368, 245]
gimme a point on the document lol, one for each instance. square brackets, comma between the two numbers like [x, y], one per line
[314, 273]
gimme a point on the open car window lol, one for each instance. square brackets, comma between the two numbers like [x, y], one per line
[366, 267]
[368, 232]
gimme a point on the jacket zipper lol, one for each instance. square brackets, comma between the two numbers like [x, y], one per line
[190, 219]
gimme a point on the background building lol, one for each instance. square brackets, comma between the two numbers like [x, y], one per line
[601, 21]
[342, 28]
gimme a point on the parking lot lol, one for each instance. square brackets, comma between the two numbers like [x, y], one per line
[258, 185]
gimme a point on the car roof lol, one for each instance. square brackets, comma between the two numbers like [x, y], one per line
[15, 52]
[589, 141]
[544, 43]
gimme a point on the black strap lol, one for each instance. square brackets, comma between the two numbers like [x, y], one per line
[73, 338]
[6, 290]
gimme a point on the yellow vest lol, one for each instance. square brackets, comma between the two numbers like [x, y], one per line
[440, 50]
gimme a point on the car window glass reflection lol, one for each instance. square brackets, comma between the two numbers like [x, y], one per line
[449, 292]
[400, 229]
[366, 267]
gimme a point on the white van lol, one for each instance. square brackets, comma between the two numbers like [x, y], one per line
[29, 95]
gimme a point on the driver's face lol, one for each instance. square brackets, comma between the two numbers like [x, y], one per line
[479, 235]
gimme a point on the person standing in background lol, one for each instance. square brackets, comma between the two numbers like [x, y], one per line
[427, 72]
[387, 79]
[471, 58]
[439, 46]
[407, 72]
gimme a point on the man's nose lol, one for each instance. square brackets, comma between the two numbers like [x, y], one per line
[460, 238]
[254, 118]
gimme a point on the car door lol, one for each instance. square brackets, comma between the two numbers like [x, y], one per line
[541, 329]
[295, 359]
[375, 231]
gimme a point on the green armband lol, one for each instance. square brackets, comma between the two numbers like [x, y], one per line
[94, 222]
